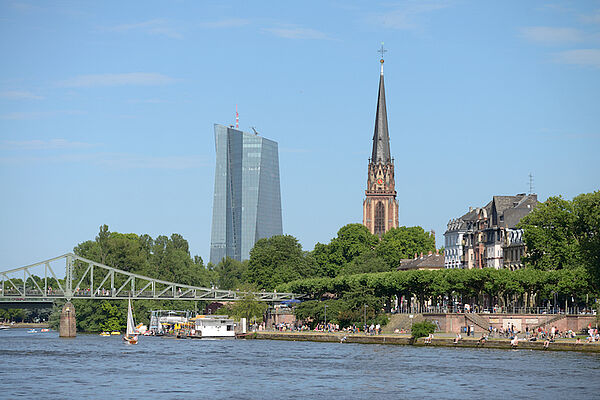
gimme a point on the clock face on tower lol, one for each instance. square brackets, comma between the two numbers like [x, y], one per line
[380, 181]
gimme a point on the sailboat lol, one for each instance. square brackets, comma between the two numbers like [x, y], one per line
[131, 335]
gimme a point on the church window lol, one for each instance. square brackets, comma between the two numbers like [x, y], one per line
[379, 218]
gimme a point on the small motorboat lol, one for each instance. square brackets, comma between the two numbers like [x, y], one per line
[32, 331]
[115, 333]
[45, 330]
[105, 334]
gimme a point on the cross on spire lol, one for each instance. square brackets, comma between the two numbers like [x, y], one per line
[382, 50]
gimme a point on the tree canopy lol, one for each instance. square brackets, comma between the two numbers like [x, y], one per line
[277, 260]
[563, 234]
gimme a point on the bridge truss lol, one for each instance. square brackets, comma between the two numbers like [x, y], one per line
[87, 279]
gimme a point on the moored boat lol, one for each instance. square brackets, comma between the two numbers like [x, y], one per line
[214, 326]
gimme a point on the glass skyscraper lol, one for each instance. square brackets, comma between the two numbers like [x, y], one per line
[247, 199]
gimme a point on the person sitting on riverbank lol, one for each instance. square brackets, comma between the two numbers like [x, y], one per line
[457, 338]
[514, 342]
[482, 339]
[428, 339]
[546, 343]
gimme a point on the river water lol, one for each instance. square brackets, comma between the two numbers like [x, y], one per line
[42, 365]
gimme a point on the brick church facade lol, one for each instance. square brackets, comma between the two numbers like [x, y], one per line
[380, 207]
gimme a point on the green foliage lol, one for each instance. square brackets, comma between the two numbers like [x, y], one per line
[450, 282]
[355, 250]
[365, 263]
[24, 315]
[112, 318]
[563, 234]
[352, 241]
[351, 308]
[165, 258]
[422, 329]
[54, 318]
[277, 260]
[248, 308]
[231, 274]
[550, 235]
[587, 230]
[404, 242]
[13, 314]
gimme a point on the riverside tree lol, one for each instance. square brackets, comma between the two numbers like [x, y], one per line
[277, 260]
[165, 258]
[563, 234]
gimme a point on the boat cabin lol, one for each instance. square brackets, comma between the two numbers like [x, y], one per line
[214, 326]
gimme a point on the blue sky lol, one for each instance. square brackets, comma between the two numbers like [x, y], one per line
[107, 110]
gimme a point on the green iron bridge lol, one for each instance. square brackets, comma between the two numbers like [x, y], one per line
[87, 279]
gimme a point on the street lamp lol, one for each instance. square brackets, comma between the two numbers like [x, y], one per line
[325, 316]
[365, 319]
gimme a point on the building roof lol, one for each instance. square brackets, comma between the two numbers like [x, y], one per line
[381, 137]
[427, 261]
[524, 206]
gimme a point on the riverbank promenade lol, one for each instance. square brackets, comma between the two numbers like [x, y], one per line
[439, 339]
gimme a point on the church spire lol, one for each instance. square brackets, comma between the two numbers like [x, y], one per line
[380, 207]
[381, 138]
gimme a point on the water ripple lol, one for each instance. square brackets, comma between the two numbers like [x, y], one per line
[91, 366]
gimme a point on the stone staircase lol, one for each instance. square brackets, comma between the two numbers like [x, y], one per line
[401, 321]
[550, 321]
[478, 320]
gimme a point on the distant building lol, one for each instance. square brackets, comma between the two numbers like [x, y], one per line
[478, 239]
[430, 261]
[380, 207]
[247, 199]
[514, 249]
[454, 239]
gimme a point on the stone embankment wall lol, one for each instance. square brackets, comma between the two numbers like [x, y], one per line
[406, 340]
[455, 322]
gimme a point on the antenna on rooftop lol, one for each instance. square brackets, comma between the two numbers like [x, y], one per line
[237, 118]
[530, 183]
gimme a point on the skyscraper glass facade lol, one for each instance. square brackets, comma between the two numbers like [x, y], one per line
[247, 199]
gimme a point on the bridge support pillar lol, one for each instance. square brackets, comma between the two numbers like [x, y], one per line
[68, 327]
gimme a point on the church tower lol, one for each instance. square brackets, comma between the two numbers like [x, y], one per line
[380, 207]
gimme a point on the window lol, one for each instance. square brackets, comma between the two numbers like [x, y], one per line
[379, 218]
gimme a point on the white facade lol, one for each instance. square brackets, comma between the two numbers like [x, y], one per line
[453, 244]
[494, 256]
[215, 326]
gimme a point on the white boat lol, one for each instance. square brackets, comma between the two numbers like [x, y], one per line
[131, 336]
[214, 326]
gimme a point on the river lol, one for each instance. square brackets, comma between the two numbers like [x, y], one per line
[42, 365]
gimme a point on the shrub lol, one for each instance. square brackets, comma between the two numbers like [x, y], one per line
[422, 329]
